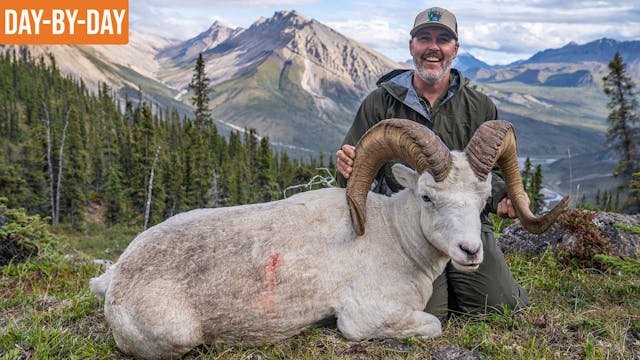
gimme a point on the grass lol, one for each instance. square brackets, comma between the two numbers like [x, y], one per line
[631, 229]
[47, 312]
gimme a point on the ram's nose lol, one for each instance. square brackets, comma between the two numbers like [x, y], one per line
[470, 251]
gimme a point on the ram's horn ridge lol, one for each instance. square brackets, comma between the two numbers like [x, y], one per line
[495, 143]
[393, 139]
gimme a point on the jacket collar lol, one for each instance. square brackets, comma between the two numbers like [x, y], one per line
[399, 83]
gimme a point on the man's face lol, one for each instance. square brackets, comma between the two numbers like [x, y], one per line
[433, 49]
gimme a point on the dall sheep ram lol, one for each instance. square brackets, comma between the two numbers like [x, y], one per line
[257, 274]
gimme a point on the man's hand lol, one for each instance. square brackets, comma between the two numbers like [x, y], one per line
[506, 209]
[345, 160]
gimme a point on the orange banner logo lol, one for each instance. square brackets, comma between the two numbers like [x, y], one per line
[64, 22]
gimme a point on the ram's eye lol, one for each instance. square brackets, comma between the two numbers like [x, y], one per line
[426, 198]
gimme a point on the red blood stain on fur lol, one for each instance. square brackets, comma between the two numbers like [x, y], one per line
[270, 271]
[267, 303]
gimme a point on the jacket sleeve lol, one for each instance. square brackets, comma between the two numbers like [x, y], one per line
[498, 186]
[367, 115]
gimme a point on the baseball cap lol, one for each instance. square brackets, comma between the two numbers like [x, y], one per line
[436, 16]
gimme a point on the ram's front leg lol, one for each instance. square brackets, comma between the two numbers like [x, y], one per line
[415, 323]
[359, 326]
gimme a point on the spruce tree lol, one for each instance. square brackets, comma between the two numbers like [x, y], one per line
[114, 199]
[75, 177]
[265, 183]
[535, 187]
[634, 198]
[197, 178]
[532, 183]
[143, 146]
[12, 186]
[623, 133]
[200, 86]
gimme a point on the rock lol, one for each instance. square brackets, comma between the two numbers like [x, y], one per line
[624, 243]
[515, 239]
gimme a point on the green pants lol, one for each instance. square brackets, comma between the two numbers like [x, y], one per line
[492, 286]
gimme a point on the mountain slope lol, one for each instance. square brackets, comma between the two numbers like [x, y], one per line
[300, 82]
[126, 69]
[601, 50]
[571, 61]
[465, 61]
[292, 78]
[188, 50]
[559, 86]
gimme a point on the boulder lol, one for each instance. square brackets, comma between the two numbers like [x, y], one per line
[515, 239]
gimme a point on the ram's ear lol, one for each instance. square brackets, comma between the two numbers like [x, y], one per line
[405, 176]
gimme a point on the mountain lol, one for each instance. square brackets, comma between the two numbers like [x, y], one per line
[300, 82]
[188, 50]
[601, 50]
[562, 88]
[126, 69]
[465, 61]
[570, 66]
[559, 86]
[291, 78]
[583, 173]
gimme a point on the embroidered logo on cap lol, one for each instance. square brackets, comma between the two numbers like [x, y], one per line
[434, 15]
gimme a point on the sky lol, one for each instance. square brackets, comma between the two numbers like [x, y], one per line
[497, 32]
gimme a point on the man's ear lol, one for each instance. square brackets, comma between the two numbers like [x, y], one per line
[405, 176]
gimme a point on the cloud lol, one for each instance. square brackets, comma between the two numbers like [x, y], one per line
[500, 28]
[538, 25]
[199, 4]
[186, 18]
[376, 33]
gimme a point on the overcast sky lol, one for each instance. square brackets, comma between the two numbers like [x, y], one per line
[497, 32]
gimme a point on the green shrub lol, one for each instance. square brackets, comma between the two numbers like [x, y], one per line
[23, 236]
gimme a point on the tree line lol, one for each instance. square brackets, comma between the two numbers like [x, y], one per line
[64, 149]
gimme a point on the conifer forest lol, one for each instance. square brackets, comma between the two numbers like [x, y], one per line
[67, 151]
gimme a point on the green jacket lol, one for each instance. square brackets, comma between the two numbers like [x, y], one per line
[455, 118]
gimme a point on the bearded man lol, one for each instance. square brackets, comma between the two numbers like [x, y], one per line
[435, 95]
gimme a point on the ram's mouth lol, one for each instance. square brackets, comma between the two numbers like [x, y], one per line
[468, 267]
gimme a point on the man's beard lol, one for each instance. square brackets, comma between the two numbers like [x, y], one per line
[431, 77]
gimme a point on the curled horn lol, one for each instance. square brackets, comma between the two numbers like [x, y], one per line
[400, 139]
[495, 142]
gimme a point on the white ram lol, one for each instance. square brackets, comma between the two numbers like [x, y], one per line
[260, 273]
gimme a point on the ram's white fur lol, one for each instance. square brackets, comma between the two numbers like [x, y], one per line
[256, 274]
